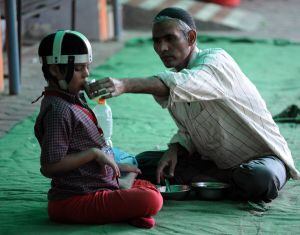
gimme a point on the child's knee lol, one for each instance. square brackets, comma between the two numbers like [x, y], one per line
[153, 201]
[157, 201]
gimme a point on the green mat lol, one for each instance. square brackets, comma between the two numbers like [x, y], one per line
[140, 124]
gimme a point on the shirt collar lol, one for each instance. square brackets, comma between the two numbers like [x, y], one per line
[193, 57]
[60, 93]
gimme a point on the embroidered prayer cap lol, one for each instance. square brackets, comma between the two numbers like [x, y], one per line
[177, 13]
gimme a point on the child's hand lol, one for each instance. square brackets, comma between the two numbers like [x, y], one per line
[129, 168]
[104, 159]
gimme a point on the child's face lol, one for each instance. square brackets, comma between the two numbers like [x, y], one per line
[81, 72]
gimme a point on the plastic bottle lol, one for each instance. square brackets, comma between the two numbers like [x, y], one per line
[103, 114]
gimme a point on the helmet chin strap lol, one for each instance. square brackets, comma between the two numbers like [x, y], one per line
[63, 84]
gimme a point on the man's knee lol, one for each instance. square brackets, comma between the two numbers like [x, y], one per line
[149, 158]
[255, 183]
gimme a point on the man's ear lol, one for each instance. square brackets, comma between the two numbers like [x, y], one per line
[54, 70]
[192, 37]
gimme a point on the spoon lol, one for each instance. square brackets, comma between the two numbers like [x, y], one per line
[168, 187]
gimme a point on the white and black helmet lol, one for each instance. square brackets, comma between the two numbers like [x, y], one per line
[65, 47]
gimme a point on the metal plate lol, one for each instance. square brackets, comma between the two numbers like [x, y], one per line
[178, 192]
[210, 185]
[210, 190]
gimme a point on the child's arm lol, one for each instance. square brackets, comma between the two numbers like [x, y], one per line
[127, 179]
[129, 173]
[73, 161]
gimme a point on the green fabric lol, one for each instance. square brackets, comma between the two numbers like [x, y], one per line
[140, 124]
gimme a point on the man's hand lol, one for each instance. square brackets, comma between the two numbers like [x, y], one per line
[105, 88]
[169, 159]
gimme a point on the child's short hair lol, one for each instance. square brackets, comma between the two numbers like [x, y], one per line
[64, 48]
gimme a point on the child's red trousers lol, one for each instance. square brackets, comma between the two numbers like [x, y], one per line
[107, 206]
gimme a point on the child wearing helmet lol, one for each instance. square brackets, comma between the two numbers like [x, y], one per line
[84, 185]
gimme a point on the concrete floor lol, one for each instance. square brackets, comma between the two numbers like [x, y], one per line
[281, 19]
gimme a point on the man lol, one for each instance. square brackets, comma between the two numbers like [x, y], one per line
[225, 131]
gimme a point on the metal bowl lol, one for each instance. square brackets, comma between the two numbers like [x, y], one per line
[210, 190]
[177, 192]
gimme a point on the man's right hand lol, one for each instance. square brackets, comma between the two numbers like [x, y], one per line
[105, 88]
[169, 159]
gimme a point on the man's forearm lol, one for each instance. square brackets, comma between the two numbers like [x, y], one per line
[150, 85]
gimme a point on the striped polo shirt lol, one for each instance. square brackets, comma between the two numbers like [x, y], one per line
[220, 114]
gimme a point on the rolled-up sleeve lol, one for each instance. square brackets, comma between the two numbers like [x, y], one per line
[190, 85]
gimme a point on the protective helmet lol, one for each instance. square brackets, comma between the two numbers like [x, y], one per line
[65, 47]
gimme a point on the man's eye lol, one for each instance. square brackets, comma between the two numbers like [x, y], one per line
[170, 38]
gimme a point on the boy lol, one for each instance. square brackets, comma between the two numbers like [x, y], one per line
[84, 186]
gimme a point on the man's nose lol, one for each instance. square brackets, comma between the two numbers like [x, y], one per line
[163, 46]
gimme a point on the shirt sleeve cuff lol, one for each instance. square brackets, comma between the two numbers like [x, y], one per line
[168, 79]
[184, 141]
